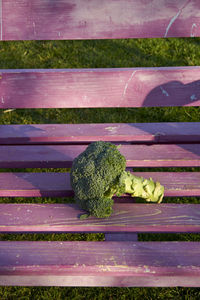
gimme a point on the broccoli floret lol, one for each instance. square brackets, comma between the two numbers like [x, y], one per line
[99, 172]
[98, 208]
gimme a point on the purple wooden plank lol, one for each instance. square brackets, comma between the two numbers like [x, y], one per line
[61, 156]
[75, 19]
[101, 281]
[35, 185]
[176, 184]
[138, 87]
[100, 263]
[113, 132]
[125, 220]
[58, 184]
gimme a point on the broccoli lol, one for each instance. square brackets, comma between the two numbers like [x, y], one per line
[98, 173]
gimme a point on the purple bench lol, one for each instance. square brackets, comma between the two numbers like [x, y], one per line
[120, 260]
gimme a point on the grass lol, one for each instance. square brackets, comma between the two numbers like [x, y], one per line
[99, 54]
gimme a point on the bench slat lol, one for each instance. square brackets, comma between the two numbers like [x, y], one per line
[100, 263]
[131, 87]
[114, 132]
[75, 19]
[61, 156]
[126, 218]
[176, 184]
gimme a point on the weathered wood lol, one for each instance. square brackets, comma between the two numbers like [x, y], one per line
[101, 281]
[168, 132]
[126, 219]
[100, 263]
[62, 156]
[35, 185]
[58, 184]
[75, 19]
[115, 262]
[132, 87]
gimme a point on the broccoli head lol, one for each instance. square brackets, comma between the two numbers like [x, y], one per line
[99, 172]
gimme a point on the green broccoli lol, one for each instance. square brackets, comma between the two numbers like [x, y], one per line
[98, 173]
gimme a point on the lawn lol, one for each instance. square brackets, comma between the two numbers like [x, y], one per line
[99, 54]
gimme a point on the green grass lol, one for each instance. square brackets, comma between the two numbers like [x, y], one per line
[99, 54]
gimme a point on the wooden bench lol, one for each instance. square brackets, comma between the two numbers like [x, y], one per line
[120, 260]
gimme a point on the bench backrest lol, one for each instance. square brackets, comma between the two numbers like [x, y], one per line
[56, 145]
[79, 19]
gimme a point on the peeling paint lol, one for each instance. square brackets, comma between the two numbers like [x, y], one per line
[192, 29]
[112, 129]
[164, 92]
[104, 268]
[127, 83]
[193, 97]
[171, 22]
[34, 31]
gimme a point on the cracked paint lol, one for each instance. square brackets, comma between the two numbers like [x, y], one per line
[174, 18]
[127, 83]
[192, 30]
[164, 92]
[193, 97]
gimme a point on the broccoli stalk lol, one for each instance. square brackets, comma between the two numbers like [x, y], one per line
[98, 174]
[140, 187]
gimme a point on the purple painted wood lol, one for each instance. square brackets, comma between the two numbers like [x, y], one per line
[35, 185]
[113, 132]
[58, 184]
[138, 87]
[75, 19]
[126, 219]
[100, 263]
[61, 156]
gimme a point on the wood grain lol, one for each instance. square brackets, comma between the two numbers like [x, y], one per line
[127, 218]
[62, 156]
[83, 88]
[85, 19]
[58, 184]
[168, 132]
[99, 263]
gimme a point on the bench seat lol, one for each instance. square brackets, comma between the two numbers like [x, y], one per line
[93, 264]
[126, 218]
[117, 263]
[120, 258]
[57, 184]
